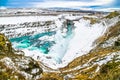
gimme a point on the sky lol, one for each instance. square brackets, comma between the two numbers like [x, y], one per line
[83, 4]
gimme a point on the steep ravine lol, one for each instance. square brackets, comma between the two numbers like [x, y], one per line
[92, 56]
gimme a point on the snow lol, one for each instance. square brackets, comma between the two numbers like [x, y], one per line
[45, 38]
[98, 68]
[84, 36]
[26, 75]
[35, 71]
[8, 62]
[41, 57]
[110, 42]
[73, 17]
[23, 19]
[99, 61]
[83, 39]
[90, 16]
[107, 58]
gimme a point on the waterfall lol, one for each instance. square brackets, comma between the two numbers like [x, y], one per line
[61, 43]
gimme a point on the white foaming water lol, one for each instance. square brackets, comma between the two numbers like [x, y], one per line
[59, 49]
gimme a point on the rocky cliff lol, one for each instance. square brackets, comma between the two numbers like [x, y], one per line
[14, 65]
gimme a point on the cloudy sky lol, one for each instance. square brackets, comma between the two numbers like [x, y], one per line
[87, 4]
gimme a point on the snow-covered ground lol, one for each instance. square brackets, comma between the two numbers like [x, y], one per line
[78, 42]
[23, 19]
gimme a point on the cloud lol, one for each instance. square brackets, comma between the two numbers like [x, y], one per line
[2, 7]
[69, 4]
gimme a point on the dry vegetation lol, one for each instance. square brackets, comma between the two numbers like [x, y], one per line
[92, 20]
[113, 14]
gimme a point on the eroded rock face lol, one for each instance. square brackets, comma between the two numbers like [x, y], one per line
[27, 28]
